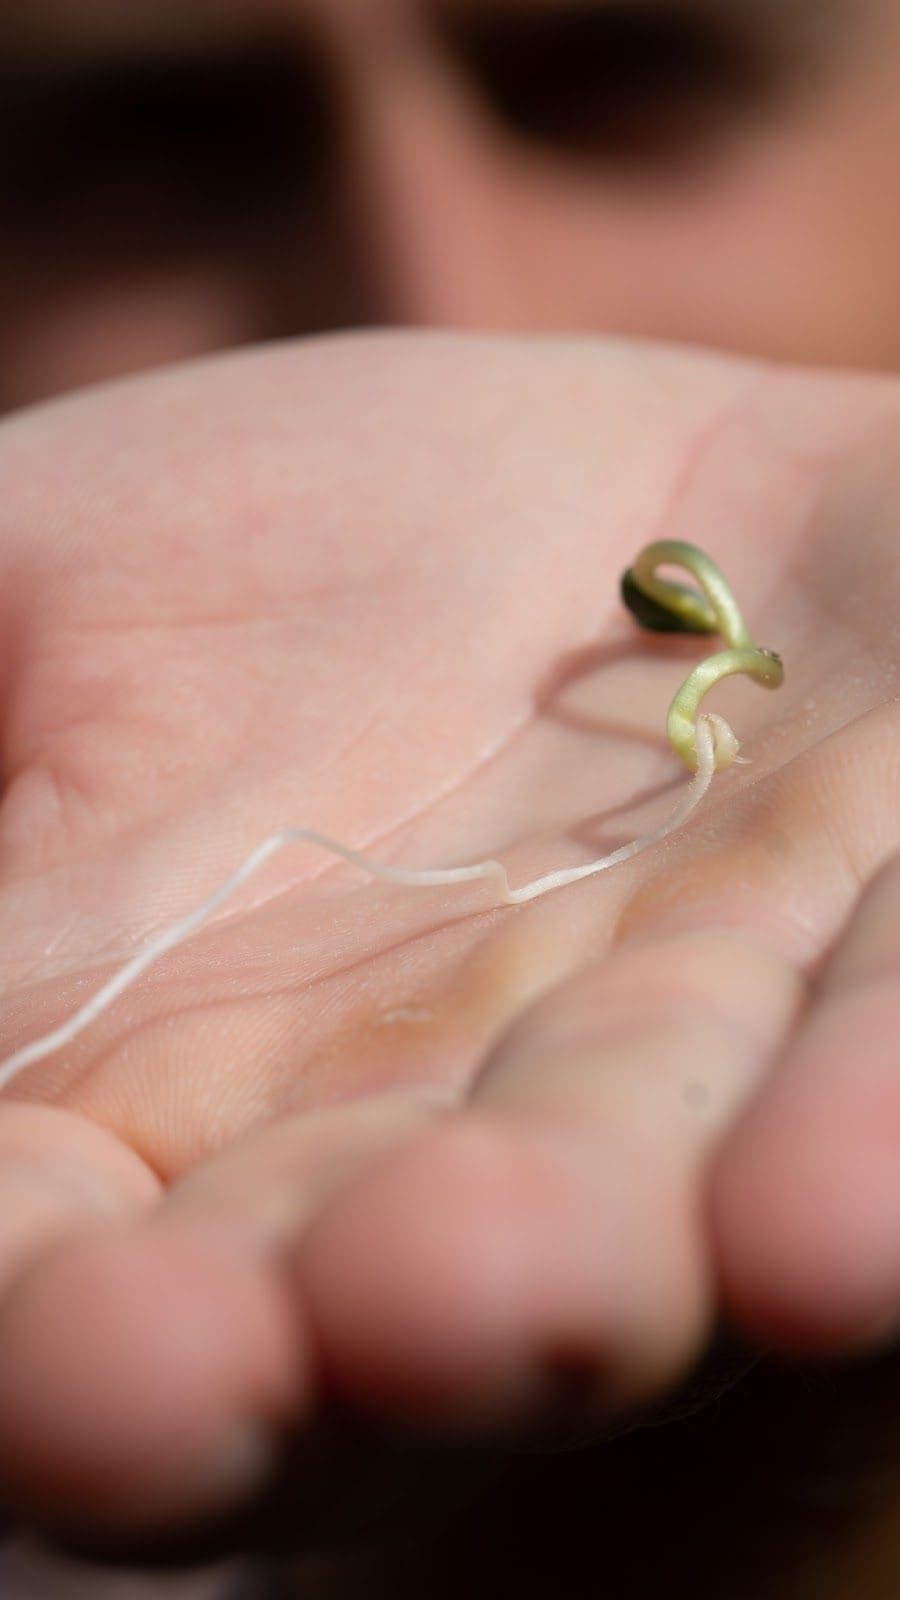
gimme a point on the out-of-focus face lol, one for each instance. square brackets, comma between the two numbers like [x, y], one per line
[182, 175]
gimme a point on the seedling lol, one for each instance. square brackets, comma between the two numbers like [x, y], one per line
[704, 741]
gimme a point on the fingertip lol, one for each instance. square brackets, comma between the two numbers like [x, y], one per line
[805, 1215]
[413, 1279]
[454, 1283]
[143, 1378]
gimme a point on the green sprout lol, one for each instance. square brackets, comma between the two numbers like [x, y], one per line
[667, 607]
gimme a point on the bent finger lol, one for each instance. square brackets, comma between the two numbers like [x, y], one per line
[60, 1172]
[137, 1384]
[806, 1194]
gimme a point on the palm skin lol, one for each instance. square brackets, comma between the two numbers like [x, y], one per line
[401, 1148]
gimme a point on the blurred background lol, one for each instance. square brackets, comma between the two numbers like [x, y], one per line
[179, 176]
[183, 176]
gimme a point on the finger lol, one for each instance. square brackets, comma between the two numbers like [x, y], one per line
[147, 1376]
[552, 1235]
[142, 1387]
[103, 1357]
[262, 1190]
[59, 1173]
[806, 1194]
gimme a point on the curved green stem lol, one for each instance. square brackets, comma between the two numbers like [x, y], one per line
[712, 610]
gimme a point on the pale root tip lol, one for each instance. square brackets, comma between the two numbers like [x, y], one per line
[725, 740]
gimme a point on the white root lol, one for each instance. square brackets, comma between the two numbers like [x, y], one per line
[710, 730]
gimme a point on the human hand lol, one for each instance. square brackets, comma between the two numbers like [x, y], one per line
[435, 1160]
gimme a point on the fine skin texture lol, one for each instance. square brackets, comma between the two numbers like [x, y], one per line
[408, 1151]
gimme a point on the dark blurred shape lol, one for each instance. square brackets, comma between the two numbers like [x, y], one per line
[160, 154]
[788, 1489]
[649, 613]
[617, 81]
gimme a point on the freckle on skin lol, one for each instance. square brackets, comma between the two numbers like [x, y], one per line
[696, 1095]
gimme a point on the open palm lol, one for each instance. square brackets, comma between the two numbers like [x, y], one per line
[403, 1149]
